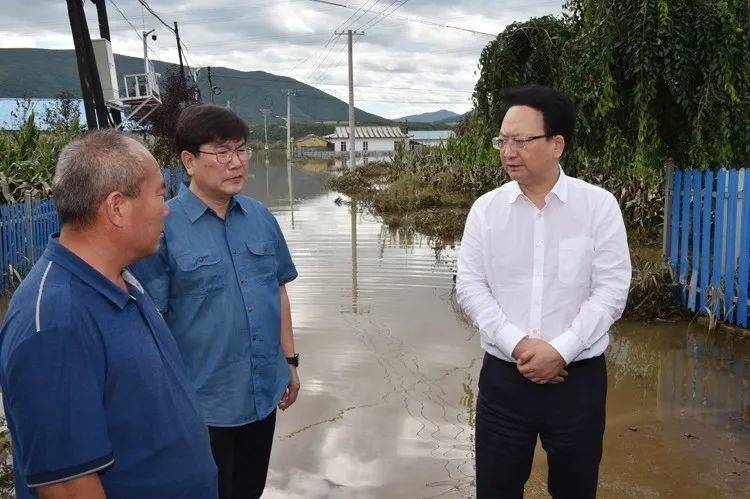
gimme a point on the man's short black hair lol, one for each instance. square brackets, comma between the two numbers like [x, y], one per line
[202, 123]
[557, 109]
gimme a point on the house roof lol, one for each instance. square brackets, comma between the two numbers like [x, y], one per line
[368, 132]
[431, 135]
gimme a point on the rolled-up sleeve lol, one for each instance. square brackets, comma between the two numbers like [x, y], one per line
[473, 290]
[53, 390]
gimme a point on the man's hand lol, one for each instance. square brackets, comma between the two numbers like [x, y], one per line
[290, 396]
[539, 362]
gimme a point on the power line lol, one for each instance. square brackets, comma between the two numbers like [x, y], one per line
[171, 30]
[415, 19]
[382, 15]
[285, 80]
[151, 11]
[139, 33]
[385, 16]
[323, 56]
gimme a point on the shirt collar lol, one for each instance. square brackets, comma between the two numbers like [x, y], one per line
[560, 189]
[195, 207]
[62, 256]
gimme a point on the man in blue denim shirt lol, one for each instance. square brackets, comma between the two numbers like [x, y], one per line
[219, 280]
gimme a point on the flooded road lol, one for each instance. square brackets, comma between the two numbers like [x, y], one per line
[389, 372]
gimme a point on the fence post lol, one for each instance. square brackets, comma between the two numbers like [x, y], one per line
[667, 226]
[31, 253]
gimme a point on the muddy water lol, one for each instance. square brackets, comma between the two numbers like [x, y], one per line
[389, 373]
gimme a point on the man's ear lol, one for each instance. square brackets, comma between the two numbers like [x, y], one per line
[188, 160]
[559, 142]
[114, 208]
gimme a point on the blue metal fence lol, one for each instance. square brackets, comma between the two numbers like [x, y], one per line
[708, 240]
[26, 227]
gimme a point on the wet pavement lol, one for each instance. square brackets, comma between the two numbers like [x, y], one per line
[389, 372]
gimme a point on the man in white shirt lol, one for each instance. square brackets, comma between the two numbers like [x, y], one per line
[544, 271]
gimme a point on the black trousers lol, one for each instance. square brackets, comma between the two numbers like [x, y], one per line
[241, 454]
[568, 417]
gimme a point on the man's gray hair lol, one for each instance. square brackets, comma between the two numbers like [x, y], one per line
[90, 168]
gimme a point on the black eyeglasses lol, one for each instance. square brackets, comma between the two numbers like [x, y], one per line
[225, 157]
[519, 143]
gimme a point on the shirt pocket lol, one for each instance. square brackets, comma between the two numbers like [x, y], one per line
[199, 273]
[261, 259]
[575, 257]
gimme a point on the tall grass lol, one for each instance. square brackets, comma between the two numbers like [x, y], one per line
[28, 157]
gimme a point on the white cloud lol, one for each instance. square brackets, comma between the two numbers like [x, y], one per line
[431, 67]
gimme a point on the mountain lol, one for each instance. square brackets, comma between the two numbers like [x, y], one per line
[44, 73]
[454, 119]
[442, 115]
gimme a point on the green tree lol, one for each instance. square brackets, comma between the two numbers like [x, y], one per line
[178, 93]
[651, 79]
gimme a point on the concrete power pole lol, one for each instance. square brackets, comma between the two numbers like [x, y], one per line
[289, 95]
[265, 113]
[352, 154]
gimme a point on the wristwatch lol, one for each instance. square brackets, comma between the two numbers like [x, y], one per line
[293, 360]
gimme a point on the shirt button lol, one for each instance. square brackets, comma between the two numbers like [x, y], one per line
[234, 251]
[249, 308]
[200, 258]
[243, 281]
[536, 332]
[539, 215]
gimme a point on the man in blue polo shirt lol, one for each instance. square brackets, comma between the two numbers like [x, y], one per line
[219, 280]
[94, 390]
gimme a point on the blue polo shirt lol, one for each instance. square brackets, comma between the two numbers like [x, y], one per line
[217, 284]
[93, 381]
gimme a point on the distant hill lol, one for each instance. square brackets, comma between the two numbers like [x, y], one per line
[44, 73]
[442, 115]
[454, 119]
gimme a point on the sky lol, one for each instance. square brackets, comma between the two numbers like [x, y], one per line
[407, 61]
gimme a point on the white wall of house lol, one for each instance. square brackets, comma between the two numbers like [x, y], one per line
[380, 145]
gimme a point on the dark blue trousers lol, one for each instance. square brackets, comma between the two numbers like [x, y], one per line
[568, 417]
[242, 454]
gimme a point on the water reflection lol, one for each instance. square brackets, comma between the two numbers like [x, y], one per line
[390, 367]
[291, 190]
[689, 375]
[353, 219]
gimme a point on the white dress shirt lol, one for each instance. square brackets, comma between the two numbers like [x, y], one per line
[561, 273]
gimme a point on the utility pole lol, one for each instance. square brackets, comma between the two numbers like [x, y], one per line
[265, 112]
[145, 53]
[91, 87]
[352, 154]
[179, 48]
[210, 85]
[289, 95]
[101, 14]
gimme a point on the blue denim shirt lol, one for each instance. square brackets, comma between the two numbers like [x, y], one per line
[217, 284]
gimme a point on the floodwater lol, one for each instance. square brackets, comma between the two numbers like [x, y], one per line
[389, 372]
